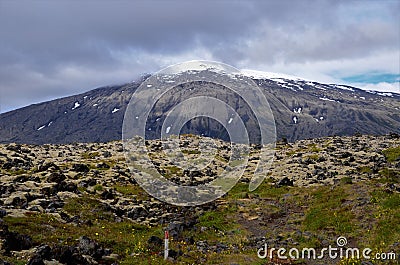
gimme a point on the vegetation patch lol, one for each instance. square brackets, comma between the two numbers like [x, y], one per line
[364, 169]
[392, 154]
[387, 213]
[390, 175]
[191, 152]
[132, 190]
[314, 148]
[90, 155]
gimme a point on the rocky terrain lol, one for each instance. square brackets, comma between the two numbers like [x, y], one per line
[78, 204]
[302, 109]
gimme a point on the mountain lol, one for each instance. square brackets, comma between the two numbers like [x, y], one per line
[302, 109]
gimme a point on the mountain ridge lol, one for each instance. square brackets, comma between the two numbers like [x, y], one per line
[302, 109]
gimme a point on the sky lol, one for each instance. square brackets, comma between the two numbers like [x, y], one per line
[51, 49]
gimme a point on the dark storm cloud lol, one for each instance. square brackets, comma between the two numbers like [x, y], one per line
[55, 48]
[62, 29]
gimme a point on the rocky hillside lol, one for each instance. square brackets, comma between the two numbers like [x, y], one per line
[78, 204]
[302, 109]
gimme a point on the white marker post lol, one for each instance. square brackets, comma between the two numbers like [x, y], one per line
[166, 239]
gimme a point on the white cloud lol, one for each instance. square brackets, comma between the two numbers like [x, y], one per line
[382, 87]
[331, 71]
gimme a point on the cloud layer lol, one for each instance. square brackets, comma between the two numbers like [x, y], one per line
[51, 49]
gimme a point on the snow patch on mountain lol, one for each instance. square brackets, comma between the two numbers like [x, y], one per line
[327, 99]
[297, 110]
[76, 105]
[268, 75]
[343, 87]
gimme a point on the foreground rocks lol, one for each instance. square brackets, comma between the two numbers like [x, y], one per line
[48, 180]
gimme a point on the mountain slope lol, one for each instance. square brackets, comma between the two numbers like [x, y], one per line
[302, 109]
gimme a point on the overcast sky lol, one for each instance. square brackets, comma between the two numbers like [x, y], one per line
[50, 49]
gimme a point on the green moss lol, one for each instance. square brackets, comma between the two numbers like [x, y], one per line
[390, 175]
[268, 190]
[265, 190]
[133, 190]
[88, 208]
[220, 158]
[128, 189]
[392, 154]
[314, 148]
[309, 241]
[124, 238]
[392, 201]
[324, 211]
[350, 261]
[346, 180]
[144, 260]
[191, 152]
[235, 163]
[33, 222]
[90, 155]
[327, 211]
[17, 172]
[215, 220]
[319, 218]
[98, 187]
[248, 257]
[313, 157]
[364, 169]
[367, 218]
[292, 152]
[387, 212]
[174, 170]
[13, 260]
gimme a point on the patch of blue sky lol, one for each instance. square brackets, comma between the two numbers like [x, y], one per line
[373, 78]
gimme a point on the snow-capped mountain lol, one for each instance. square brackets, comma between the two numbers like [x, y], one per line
[302, 109]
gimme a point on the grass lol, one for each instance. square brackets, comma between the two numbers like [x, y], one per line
[392, 154]
[13, 260]
[265, 190]
[173, 169]
[387, 213]
[214, 220]
[313, 148]
[98, 187]
[88, 208]
[323, 212]
[17, 172]
[235, 163]
[327, 212]
[191, 152]
[390, 175]
[90, 155]
[235, 258]
[292, 152]
[268, 190]
[131, 190]
[346, 180]
[367, 212]
[364, 169]
[313, 157]
[124, 237]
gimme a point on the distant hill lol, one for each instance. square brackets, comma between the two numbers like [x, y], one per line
[302, 109]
